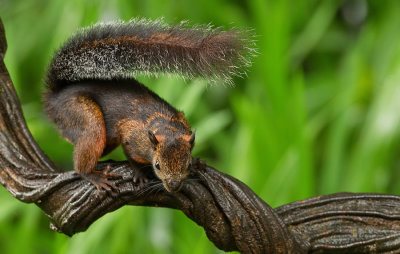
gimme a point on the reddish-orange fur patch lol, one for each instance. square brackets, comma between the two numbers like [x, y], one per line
[91, 141]
[185, 137]
[140, 159]
[160, 138]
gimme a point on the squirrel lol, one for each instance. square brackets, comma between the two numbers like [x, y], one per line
[96, 104]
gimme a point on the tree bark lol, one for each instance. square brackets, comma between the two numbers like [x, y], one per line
[233, 217]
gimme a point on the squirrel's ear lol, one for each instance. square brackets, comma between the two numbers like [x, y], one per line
[192, 137]
[153, 139]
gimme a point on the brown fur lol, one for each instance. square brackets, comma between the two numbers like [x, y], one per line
[96, 118]
[97, 108]
[81, 122]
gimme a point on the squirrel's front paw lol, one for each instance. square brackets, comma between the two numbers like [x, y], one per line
[140, 178]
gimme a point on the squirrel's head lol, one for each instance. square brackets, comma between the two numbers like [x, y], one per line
[172, 159]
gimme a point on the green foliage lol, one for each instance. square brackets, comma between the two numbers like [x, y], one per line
[317, 114]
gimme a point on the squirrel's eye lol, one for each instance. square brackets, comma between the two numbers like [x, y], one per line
[190, 166]
[157, 165]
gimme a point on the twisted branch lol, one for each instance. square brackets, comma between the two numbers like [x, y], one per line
[233, 217]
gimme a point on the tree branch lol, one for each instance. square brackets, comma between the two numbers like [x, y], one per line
[233, 217]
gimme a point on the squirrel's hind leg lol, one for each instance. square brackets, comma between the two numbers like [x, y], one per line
[81, 122]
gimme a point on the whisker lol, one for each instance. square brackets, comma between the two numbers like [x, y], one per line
[150, 189]
[146, 188]
[159, 189]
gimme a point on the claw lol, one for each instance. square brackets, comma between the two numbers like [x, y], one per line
[100, 179]
[140, 178]
[109, 174]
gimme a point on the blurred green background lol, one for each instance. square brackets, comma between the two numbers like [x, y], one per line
[318, 113]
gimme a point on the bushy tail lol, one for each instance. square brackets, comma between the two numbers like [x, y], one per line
[122, 50]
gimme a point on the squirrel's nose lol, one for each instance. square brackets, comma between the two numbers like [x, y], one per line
[174, 186]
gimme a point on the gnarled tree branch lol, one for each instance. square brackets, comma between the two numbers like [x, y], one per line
[233, 217]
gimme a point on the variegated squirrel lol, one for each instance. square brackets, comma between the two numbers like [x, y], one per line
[97, 105]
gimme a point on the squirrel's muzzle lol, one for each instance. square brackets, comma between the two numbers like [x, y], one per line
[173, 185]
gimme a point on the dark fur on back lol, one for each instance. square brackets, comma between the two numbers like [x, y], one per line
[121, 50]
